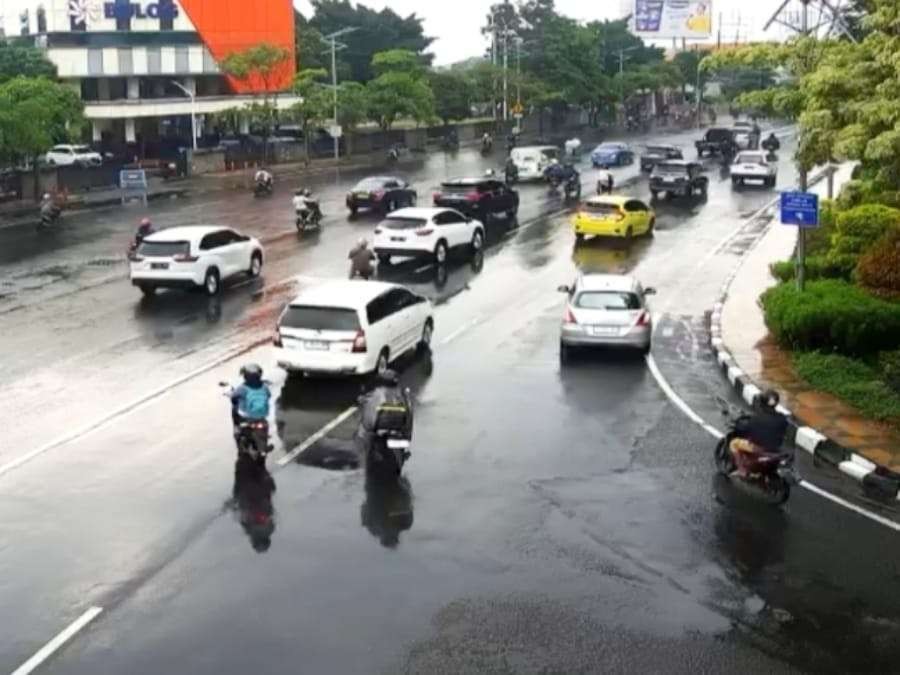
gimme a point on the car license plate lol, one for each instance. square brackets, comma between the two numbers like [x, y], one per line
[397, 444]
[362, 195]
[604, 331]
[316, 345]
[159, 266]
[398, 238]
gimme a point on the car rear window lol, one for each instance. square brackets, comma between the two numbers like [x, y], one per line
[608, 300]
[81, 148]
[718, 134]
[403, 223]
[550, 153]
[460, 187]
[745, 158]
[658, 150]
[369, 184]
[676, 169]
[320, 318]
[602, 209]
[164, 249]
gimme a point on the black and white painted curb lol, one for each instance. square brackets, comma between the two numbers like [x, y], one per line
[877, 480]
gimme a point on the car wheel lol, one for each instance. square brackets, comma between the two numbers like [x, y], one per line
[427, 334]
[353, 211]
[383, 362]
[384, 258]
[477, 241]
[256, 264]
[149, 290]
[212, 282]
[440, 252]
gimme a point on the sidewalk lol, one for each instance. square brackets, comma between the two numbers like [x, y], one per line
[746, 337]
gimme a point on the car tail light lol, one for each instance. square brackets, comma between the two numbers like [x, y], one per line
[435, 196]
[472, 196]
[377, 195]
[569, 318]
[182, 258]
[258, 425]
[359, 343]
[644, 319]
[425, 231]
[276, 339]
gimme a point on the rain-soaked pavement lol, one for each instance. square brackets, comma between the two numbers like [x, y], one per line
[552, 519]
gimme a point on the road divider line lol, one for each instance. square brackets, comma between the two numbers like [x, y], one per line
[53, 646]
[459, 331]
[318, 436]
[694, 417]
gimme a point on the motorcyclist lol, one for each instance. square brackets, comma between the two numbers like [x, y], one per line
[763, 433]
[145, 229]
[487, 141]
[304, 202]
[605, 181]
[250, 401]
[771, 143]
[386, 392]
[511, 140]
[50, 210]
[361, 257]
[511, 170]
[264, 178]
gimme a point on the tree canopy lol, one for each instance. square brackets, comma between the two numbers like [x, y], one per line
[23, 61]
[35, 114]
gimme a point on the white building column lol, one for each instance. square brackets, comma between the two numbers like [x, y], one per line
[130, 133]
[97, 130]
[134, 88]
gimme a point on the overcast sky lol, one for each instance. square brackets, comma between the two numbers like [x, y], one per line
[456, 23]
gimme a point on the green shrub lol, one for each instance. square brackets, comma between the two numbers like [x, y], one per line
[879, 267]
[890, 368]
[818, 239]
[854, 381]
[832, 315]
[817, 267]
[858, 229]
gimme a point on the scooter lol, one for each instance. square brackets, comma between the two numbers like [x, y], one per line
[252, 436]
[386, 445]
[50, 214]
[572, 187]
[309, 218]
[487, 147]
[262, 189]
[772, 474]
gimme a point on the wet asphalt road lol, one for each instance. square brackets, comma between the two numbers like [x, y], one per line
[551, 519]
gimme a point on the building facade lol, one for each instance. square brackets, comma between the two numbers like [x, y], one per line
[148, 70]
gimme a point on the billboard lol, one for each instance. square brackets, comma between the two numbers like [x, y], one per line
[673, 18]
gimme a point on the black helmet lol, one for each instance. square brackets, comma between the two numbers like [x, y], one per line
[252, 373]
[389, 378]
[769, 399]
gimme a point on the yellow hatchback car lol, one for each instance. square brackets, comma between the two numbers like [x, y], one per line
[613, 216]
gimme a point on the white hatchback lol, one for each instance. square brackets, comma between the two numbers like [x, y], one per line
[194, 256]
[73, 155]
[351, 328]
[753, 165]
[427, 232]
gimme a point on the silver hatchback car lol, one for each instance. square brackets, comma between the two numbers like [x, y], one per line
[606, 310]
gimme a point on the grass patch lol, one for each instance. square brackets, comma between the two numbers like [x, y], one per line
[851, 380]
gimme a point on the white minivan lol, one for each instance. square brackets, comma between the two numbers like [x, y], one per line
[531, 161]
[351, 328]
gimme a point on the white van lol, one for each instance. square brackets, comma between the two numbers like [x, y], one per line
[532, 160]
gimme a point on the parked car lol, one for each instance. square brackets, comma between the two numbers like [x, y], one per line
[194, 256]
[351, 328]
[480, 198]
[532, 161]
[382, 193]
[613, 216]
[612, 154]
[73, 155]
[654, 154]
[746, 135]
[717, 141]
[430, 233]
[678, 177]
[605, 310]
[753, 165]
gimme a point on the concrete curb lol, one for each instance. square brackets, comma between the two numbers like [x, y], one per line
[878, 481]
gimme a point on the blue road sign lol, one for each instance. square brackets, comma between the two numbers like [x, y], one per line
[800, 208]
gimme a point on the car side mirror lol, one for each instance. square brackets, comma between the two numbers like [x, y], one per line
[563, 289]
[650, 291]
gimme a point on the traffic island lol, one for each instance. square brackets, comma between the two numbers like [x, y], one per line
[819, 423]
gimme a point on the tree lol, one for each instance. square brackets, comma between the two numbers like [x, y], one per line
[315, 105]
[309, 47]
[400, 90]
[688, 64]
[24, 61]
[452, 95]
[352, 109]
[375, 32]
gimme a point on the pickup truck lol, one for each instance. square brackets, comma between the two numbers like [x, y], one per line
[678, 177]
[717, 141]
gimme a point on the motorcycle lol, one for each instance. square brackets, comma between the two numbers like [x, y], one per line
[262, 188]
[572, 187]
[309, 218]
[251, 436]
[511, 175]
[487, 147]
[50, 214]
[386, 444]
[772, 473]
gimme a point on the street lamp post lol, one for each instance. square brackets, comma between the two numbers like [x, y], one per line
[332, 40]
[193, 98]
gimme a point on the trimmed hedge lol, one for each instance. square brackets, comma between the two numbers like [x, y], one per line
[879, 267]
[852, 380]
[858, 229]
[817, 267]
[832, 315]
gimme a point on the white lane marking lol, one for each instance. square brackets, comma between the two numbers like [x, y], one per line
[316, 437]
[459, 331]
[677, 400]
[881, 520]
[48, 649]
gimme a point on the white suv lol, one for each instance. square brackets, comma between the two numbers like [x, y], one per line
[426, 232]
[753, 165]
[73, 155]
[196, 256]
[351, 328]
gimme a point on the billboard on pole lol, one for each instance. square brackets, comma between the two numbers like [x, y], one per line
[673, 18]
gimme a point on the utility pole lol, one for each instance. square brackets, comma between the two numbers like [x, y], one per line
[505, 74]
[332, 39]
[804, 178]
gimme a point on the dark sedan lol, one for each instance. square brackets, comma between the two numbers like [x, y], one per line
[381, 193]
[480, 198]
[654, 154]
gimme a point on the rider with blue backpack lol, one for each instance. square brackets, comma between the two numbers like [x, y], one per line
[250, 400]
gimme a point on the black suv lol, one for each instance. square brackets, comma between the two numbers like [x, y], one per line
[717, 141]
[381, 193]
[654, 154]
[480, 198]
[678, 177]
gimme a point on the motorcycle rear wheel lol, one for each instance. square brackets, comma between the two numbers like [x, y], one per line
[724, 461]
